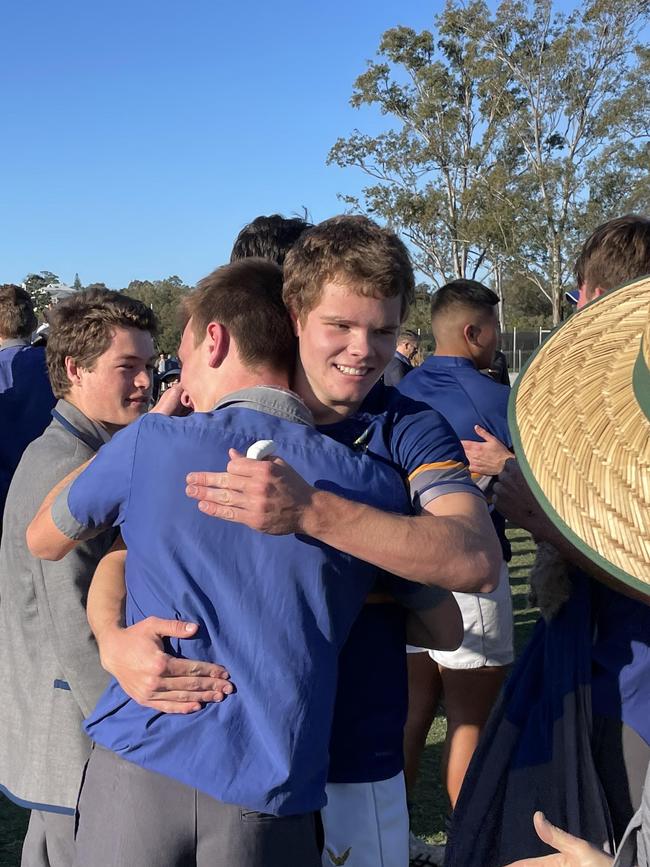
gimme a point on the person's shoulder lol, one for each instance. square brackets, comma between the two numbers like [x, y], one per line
[406, 407]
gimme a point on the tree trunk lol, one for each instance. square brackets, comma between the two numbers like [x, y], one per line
[556, 279]
[502, 301]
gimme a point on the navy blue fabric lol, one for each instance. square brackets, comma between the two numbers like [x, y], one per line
[409, 436]
[396, 369]
[372, 698]
[369, 719]
[25, 402]
[465, 397]
[535, 751]
[274, 610]
[620, 686]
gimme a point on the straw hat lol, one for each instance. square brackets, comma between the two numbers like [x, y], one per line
[580, 421]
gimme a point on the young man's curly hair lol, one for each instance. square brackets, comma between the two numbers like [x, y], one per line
[82, 327]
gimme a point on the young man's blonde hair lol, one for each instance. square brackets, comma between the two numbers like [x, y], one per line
[352, 250]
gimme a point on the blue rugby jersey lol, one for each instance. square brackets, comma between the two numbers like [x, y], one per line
[465, 397]
[372, 697]
[274, 610]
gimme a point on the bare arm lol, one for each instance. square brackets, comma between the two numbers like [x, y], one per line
[439, 628]
[44, 539]
[135, 655]
[452, 544]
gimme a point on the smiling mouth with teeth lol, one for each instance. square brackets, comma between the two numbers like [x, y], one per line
[352, 371]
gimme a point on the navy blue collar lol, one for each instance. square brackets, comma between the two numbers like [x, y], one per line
[448, 361]
[80, 426]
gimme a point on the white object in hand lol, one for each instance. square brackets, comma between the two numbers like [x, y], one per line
[260, 450]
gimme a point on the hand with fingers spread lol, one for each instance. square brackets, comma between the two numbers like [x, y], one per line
[136, 659]
[571, 851]
[266, 495]
[486, 458]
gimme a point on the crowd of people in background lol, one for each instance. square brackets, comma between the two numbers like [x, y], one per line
[238, 583]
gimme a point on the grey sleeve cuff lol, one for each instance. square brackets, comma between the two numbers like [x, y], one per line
[422, 498]
[66, 522]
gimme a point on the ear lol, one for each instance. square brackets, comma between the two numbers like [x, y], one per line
[72, 370]
[218, 343]
[295, 322]
[472, 333]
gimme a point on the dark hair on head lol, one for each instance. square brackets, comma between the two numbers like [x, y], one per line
[82, 327]
[17, 317]
[615, 253]
[462, 293]
[352, 250]
[268, 238]
[245, 297]
[408, 335]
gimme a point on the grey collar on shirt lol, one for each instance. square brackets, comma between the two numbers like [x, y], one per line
[91, 429]
[13, 341]
[275, 401]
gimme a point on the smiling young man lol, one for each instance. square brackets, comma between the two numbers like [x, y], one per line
[99, 357]
[347, 324]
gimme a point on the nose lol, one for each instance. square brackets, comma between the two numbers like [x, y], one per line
[142, 379]
[360, 345]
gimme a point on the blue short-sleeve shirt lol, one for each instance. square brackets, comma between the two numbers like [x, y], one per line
[274, 610]
[465, 397]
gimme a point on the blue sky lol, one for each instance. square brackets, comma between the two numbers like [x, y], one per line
[138, 137]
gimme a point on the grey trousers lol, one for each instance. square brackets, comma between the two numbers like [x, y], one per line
[621, 757]
[130, 816]
[49, 841]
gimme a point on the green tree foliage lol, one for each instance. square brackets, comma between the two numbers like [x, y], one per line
[513, 134]
[77, 284]
[163, 296]
[35, 285]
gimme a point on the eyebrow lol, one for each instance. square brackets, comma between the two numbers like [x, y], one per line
[120, 358]
[343, 320]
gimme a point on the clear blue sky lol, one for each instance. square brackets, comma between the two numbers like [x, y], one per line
[138, 137]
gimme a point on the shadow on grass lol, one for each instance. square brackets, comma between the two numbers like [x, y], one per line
[13, 825]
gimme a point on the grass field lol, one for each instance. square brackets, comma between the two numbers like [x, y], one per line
[430, 802]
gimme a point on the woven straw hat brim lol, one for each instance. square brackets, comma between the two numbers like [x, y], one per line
[581, 438]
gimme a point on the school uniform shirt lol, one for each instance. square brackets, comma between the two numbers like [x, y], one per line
[368, 728]
[465, 397]
[274, 610]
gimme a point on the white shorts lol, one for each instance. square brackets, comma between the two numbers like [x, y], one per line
[366, 824]
[487, 629]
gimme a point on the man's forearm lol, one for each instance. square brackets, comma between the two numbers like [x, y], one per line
[105, 609]
[44, 539]
[448, 551]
